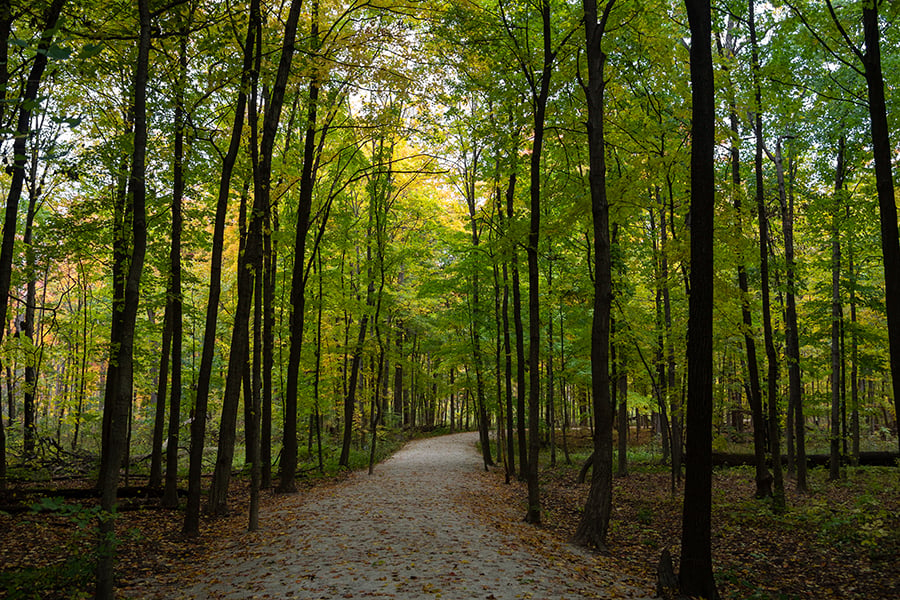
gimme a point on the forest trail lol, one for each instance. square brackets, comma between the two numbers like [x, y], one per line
[408, 531]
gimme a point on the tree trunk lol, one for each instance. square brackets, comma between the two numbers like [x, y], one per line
[507, 364]
[540, 94]
[884, 183]
[120, 388]
[29, 432]
[174, 296]
[594, 523]
[521, 386]
[754, 392]
[854, 359]
[778, 499]
[668, 371]
[28, 103]
[469, 176]
[162, 381]
[288, 471]
[696, 575]
[253, 254]
[835, 463]
[791, 333]
[255, 396]
[198, 422]
[355, 359]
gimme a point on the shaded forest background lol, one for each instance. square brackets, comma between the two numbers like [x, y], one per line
[268, 236]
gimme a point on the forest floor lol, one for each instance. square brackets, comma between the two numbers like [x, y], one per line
[840, 540]
[443, 527]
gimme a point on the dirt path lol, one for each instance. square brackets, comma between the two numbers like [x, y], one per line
[405, 532]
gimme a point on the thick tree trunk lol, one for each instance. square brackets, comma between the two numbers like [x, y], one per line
[695, 574]
[594, 523]
[884, 184]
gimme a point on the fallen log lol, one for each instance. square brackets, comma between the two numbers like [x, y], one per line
[21, 500]
[866, 459]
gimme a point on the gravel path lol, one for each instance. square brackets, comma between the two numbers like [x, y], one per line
[404, 532]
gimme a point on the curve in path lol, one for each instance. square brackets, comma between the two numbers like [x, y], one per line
[400, 533]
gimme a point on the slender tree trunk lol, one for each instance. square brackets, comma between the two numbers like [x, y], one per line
[507, 349]
[540, 94]
[854, 359]
[255, 396]
[318, 369]
[28, 103]
[754, 392]
[551, 387]
[170, 493]
[121, 387]
[835, 462]
[667, 373]
[475, 309]
[253, 257]
[270, 273]
[288, 469]
[162, 382]
[696, 575]
[792, 337]
[352, 384]
[29, 394]
[621, 394]
[521, 386]
[778, 499]
[660, 385]
[198, 422]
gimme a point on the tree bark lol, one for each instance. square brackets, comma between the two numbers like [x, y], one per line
[121, 386]
[198, 422]
[521, 387]
[174, 296]
[156, 452]
[763, 478]
[884, 184]
[594, 524]
[778, 499]
[507, 346]
[791, 333]
[695, 574]
[27, 104]
[835, 464]
[469, 176]
[288, 470]
[252, 257]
